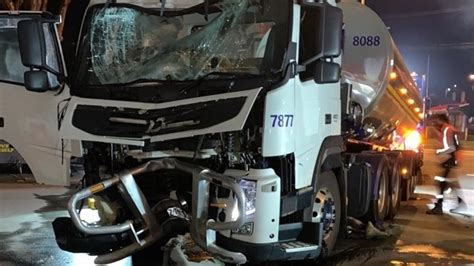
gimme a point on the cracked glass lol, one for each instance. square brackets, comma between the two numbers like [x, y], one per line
[126, 44]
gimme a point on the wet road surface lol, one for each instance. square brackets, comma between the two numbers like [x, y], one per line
[26, 233]
[418, 238]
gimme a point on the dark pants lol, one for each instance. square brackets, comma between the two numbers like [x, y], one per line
[447, 166]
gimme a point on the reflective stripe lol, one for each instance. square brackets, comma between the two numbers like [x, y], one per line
[439, 178]
[446, 148]
[439, 196]
[445, 141]
[445, 138]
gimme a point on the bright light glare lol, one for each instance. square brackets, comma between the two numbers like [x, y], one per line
[411, 101]
[403, 91]
[404, 171]
[413, 140]
[393, 75]
[90, 216]
[235, 211]
[422, 115]
[471, 77]
[417, 109]
[84, 259]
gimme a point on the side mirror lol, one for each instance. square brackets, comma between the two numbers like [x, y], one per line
[36, 81]
[32, 43]
[328, 23]
[34, 39]
[327, 72]
[331, 35]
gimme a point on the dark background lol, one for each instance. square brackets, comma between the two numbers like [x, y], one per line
[443, 29]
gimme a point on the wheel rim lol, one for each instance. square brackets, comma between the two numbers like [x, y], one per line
[382, 192]
[414, 182]
[396, 190]
[324, 211]
[409, 186]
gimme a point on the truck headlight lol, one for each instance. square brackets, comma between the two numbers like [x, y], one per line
[250, 191]
[246, 229]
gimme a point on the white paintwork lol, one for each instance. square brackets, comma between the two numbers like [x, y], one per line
[266, 218]
[279, 140]
[31, 127]
[312, 103]
[70, 132]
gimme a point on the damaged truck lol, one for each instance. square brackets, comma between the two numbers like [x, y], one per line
[257, 126]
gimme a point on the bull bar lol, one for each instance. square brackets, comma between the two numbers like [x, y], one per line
[202, 229]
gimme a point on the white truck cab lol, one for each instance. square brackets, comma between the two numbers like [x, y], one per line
[227, 119]
[29, 121]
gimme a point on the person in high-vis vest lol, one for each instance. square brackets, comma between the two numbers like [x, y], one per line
[449, 139]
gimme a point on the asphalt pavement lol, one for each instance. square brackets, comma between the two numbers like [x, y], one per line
[421, 239]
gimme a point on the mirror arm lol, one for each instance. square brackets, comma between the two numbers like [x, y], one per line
[300, 68]
[52, 71]
[312, 60]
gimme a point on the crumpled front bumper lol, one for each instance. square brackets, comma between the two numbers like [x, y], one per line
[146, 231]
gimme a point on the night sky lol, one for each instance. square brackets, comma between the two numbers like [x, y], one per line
[442, 28]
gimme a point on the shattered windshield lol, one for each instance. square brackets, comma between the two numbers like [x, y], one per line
[126, 44]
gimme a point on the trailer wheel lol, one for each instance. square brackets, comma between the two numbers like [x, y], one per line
[327, 209]
[379, 207]
[395, 196]
[409, 185]
[415, 181]
[406, 189]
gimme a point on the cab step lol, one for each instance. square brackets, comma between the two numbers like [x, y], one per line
[298, 246]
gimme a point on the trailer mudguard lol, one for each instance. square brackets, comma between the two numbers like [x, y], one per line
[359, 178]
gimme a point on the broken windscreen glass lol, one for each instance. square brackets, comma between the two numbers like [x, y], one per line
[126, 44]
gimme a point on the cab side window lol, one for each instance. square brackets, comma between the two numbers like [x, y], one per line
[11, 68]
[51, 56]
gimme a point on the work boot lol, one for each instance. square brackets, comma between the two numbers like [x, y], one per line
[437, 210]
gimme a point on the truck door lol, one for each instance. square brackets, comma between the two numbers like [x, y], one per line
[28, 120]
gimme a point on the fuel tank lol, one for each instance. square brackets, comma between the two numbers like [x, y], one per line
[381, 82]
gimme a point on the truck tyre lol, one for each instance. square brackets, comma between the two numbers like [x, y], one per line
[327, 209]
[395, 194]
[407, 180]
[379, 206]
[395, 159]
[409, 185]
[406, 189]
[418, 177]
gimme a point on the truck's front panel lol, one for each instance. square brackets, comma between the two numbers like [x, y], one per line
[215, 100]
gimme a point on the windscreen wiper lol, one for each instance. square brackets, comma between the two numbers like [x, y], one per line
[140, 82]
[231, 75]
